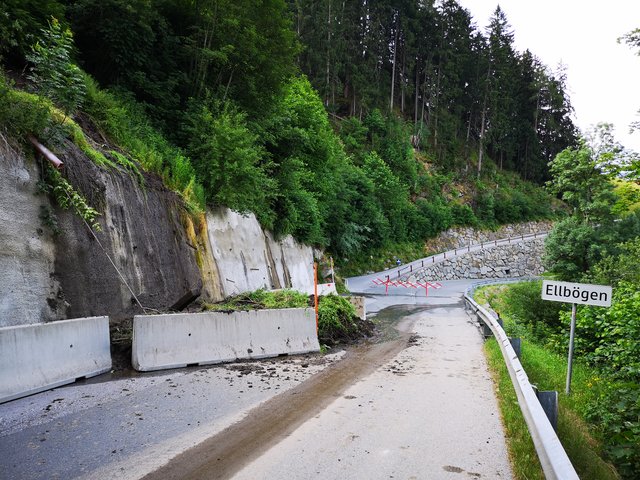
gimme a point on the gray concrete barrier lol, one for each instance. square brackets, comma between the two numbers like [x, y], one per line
[323, 289]
[34, 358]
[180, 340]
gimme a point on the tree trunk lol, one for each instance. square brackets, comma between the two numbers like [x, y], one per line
[404, 59]
[415, 100]
[483, 122]
[393, 71]
[435, 119]
[481, 140]
[328, 79]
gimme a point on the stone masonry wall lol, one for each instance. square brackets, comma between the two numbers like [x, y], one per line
[462, 236]
[502, 261]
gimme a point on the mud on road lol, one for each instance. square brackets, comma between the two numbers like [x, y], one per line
[226, 453]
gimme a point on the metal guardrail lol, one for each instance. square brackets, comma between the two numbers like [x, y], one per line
[553, 458]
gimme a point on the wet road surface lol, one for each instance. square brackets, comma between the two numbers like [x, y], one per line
[418, 405]
[428, 412]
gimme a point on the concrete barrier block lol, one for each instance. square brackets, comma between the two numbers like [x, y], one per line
[323, 289]
[360, 306]
[35, 358]
[179, 340]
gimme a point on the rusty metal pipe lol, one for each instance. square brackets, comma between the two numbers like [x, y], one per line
[46, 153]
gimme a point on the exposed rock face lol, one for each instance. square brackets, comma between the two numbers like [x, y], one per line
[165, 257]
[504, 261]
[142, 233]
[29, 292]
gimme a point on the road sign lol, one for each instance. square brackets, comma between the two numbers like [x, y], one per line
[582, 293]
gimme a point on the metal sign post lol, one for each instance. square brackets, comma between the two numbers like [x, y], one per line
[574, 293]
[572, 336]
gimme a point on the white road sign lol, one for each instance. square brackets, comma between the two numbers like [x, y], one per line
[582, 293]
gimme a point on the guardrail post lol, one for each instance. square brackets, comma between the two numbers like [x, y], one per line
[486, 331]
[549, 401]
[516, 343]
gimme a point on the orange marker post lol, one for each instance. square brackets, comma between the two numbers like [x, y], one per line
[315, 292]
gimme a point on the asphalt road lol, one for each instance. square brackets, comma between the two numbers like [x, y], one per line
[428, 412]
[418, 405]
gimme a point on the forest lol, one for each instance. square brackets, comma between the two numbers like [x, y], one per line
[358, 127]
[351, 125]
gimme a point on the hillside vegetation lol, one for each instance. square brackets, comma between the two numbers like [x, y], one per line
[598, 243]
[354, 127]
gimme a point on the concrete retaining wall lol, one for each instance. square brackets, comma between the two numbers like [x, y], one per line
[34, 358]
[249, 258]
[323, 289]
[360, 306]
[29, 293]
[179, 340]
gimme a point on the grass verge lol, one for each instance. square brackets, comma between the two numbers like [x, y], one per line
[547, 371]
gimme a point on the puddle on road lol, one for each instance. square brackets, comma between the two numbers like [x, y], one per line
[394, 321]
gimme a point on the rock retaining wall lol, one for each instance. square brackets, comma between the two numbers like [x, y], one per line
[462, 236]
[502, 261]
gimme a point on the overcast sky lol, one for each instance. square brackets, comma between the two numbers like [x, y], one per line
[603, 77]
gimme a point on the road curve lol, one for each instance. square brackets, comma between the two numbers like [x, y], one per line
[429, 412]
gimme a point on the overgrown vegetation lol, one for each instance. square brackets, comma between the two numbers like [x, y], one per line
[337, 320]
[548, 370]
[261, 299]
[67, 198]
[605, 393]
[222, 101]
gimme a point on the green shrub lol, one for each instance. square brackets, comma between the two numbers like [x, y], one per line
[229, 161]
[485, 207]
[261, 299]
[462, 215]
[524, 304]
[68, 198]
[432, 218]
[53, 74]
[617, 414]
[22, 113]
[336, 320]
